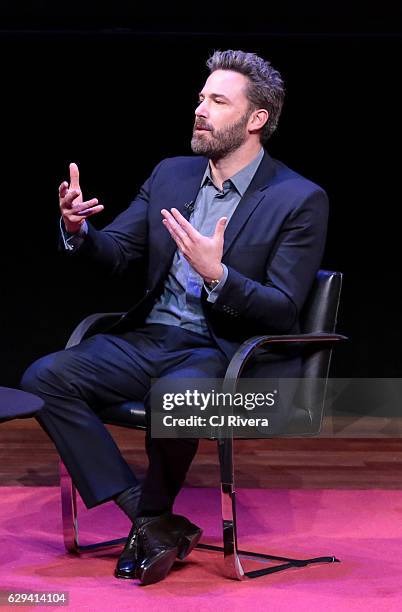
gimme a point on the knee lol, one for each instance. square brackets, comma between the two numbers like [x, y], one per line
[38, 375]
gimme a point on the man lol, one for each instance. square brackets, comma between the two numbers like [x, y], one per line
[230, 241]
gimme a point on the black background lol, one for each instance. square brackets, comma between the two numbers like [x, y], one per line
[114, 89]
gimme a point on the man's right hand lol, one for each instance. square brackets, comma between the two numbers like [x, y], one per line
[72, 207]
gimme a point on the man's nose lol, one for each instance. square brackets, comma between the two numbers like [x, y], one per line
[201, 110]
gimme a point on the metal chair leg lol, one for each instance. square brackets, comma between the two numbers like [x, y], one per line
[70, 518]
[232, 561]
[68, 510]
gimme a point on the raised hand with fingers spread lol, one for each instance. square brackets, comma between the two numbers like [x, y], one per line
[203, 253]
[72, 206]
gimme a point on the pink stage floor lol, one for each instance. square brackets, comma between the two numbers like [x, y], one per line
[362, 528]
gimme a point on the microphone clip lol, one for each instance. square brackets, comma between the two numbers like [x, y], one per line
[189, 206]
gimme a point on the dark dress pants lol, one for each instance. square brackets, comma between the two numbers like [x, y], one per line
[107, 369]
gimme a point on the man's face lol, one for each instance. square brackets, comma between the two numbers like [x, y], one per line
[222, 115]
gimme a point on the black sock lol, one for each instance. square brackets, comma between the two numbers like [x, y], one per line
[128, 500]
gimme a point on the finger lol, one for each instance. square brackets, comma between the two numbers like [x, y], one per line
[88, 212]
[84, 205]
[69, 198]
[175, 226]
[174, 233]
[220, 227]
[165, 213]
[74, 176]
[63, 188]
[186, 225]
[175, 237]
[77, 217]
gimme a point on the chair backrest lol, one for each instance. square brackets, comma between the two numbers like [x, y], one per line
[319, 315]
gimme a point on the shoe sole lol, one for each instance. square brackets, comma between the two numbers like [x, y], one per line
[188, 543]
[125, 576]
[158, 567]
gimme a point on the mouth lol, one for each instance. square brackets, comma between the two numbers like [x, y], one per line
[201, 128]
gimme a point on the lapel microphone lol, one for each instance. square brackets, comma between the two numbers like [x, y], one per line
[189, 206]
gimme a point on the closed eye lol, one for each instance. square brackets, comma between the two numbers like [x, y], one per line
[215, 98]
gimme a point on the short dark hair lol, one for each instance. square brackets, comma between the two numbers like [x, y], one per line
[265, 89]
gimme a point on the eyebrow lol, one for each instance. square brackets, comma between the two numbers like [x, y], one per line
[215, 95]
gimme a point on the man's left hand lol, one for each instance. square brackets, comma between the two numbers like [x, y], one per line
[203, 253]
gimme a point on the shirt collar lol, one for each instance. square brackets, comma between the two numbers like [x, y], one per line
[242, 179]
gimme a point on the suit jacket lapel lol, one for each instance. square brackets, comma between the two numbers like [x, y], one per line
[250, 200]
[185, 193]
[189, 186]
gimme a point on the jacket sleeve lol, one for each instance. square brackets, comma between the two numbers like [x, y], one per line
[125, 239]
[276, 303]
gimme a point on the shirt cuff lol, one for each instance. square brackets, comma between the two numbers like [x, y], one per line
[72, 242]
[213, 294]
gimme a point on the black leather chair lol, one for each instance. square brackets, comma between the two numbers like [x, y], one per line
[318, 323]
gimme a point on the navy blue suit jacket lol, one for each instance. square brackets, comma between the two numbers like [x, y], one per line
[273, 247]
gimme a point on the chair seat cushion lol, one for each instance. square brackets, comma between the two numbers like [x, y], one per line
[127, 414]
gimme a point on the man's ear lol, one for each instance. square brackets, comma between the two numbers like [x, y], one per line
[258, 119]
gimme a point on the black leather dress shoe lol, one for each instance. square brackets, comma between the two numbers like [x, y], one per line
[153, 545]
[185, 533]
[161, 542]
[129, 559]
[158, 553]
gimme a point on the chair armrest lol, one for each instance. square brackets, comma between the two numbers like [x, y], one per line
[246, 350]
[89, 324]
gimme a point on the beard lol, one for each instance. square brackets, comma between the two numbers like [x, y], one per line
[217, 144]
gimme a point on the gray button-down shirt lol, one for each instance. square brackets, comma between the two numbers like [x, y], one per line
[180, 302]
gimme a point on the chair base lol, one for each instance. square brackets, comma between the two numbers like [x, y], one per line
[245, 554]
[232, 555]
